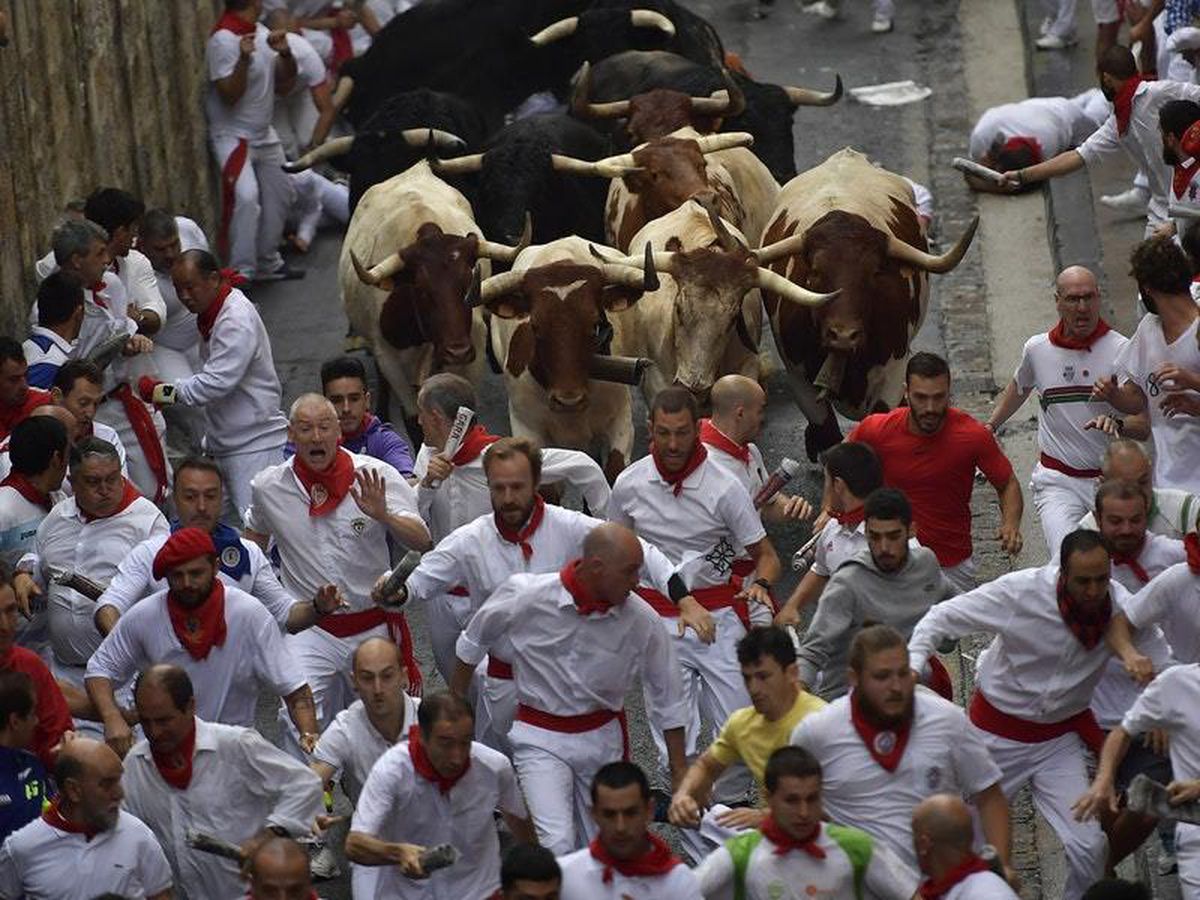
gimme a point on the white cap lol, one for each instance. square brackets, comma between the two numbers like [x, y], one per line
[1184, 39]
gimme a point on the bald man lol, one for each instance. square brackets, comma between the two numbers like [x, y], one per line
[943, 833]
[576, 643]
[1173, 511]
[278, 870]
[1062, 365]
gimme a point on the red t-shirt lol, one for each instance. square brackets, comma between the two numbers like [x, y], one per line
[936, 473]
[11, 415]
[53, 715]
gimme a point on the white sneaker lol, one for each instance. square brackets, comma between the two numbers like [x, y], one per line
[822, 8]
[881, 25]
[1134, 200]
[1054, 42]
[324, 864]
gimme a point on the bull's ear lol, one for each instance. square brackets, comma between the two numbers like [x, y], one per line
[509, 306]
[398, 323]
[520, 350]
[618, 298]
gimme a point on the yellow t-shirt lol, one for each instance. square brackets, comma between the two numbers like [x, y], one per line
[750, 738]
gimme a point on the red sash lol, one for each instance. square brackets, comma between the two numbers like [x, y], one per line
[676, 479]
[1059, 466]
[658, 860]
[713, 436]
[346, 625]
[231, 170]
[498, 668]
[1058, 339]
[202, 628]
[28, 490]
[1000, 723]
[142, 424]
[720, 596]
[576, 724]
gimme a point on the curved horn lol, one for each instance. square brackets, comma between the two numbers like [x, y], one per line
[728, 102]
[767, 280]
[806, 97]
[496, 286]
[336, 147]
[899, 250]
[341, 93]
[610, 167]
[789, 246]
[618, 369]
[649, 18]
[729, 243]
[650, 263]
[379, 272]
[460, 165]
[725, 140]
[585, 110]
[432, 137]
[504, 253]
[556, 31]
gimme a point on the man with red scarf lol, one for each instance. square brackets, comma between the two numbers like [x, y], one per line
[793, 849]
[237, 385]
[334, 515]
[17, 398]
[84, 844]
[944, 835]
[624, 859]
[222, 780]
[1062, 364]
[439, 786]
[1035, 681]
[1179, 125]
[576, 642]
[278, 870]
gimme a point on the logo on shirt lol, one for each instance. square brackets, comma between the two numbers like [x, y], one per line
[358, 526]
[1069, 372]
[721, 556]
[318, 495]
[885, 742]
[933, 776]
[230, 557]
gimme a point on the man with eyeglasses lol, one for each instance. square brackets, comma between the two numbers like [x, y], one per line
[1062, 364]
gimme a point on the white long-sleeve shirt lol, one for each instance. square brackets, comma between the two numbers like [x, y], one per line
[1172, 602]
[178, 331]
[1035, 668]
[240, 785]
[237, 385]
[141, 285]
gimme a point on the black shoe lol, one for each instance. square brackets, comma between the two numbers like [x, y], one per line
[283, 273]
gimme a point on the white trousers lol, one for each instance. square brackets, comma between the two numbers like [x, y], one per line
[495, 710]
[1061, 14]
[262, 196]
[1056, 771]
[1105, 12]
[113, 414]
[556, 771]
[239, 469]
[1061, 500]
[319, 201]
[294, 118]
[185, 424]
[446, 615]
[1187, 851]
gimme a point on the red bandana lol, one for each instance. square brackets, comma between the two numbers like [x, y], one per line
[585, 603]
[658, 860]
[231, 21]
[886, 746]
[1032, 144]
[424, 766]
[1190, 145]
[522, 535]
[676, 479]
[328, 488]
[1191, 543]
[130, 494]
[1133, 562]
[785, 843]
[713, 436]
[934, 890]
[28, 490]
[1058, 339]
[1089, 626]
[54, 818]
[1123, 102]
[851, 519]
[176, 767]
[475, 441]
[205, 320]
[203, 627]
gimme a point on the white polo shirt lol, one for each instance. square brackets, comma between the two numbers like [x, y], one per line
[945, 754]
[352, 745]
[141, 285]
[250, 117]
[344, 547]
[45, 352]
[583, 879]
[837, 544]
[240, 785]
[39, 861]
[1171, 601]
[227, 681]
[1169, 702]
[399, 806]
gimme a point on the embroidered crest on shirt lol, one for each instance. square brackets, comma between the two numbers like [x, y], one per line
[358, 526]
[721, 556]
[318, 495]
[1069, 372]
[885, 742]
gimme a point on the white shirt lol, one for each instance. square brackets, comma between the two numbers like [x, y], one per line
[93, 549]
[982, 886]
[583, 879]
[567, 664]
[1171, 601]
[752, 475]
[1172, 514]
[19, 521]
[796, 873]
[135, 578]
[1063, 379]
[1056, 123]
[237, 386]
[399, 806]
[698, 530]
[105, 317]
[45, 351]
[250, 117]
[310, 68]
[226, 681]
[344, 547]
[240, 785]
[464, 496]
[141, 284]
[837, 544]
[1169, 702]
[352, 745]
[945, 754]
[39, 862]
[1035, 668]
[178, 331]
[1175, 462]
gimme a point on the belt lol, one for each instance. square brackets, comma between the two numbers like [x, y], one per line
[344, 625]
[719, 596]
[1059, 466]
[576, 724]
[498, 668]
[997, 722]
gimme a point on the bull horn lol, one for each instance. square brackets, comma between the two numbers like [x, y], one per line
[556, 31]
[432, 137]
[729, 243]
[725, 140]
[379, 272]
[610, 167]
[336, 147]
[649, 18]
[766, 280]
[618, 369]
[649, 264]
[496, 286]
[807, 97]
[460, 165]
[789, 246]
[727, 103]
[583, 109]
[938, 265]
[341, 93]
[504, 253]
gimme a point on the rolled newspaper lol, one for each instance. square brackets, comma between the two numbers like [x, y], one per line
[438, 857]
[803, 558]
[81, 584]
[105, 353]
[458, 431]
[787, 470]
[396, 579]
[970, 167]
[206, 843]
[1147, 796]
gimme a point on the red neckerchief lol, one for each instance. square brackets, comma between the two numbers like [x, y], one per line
[1058, 339]
[851, 519]
[53, 817]
[328, 488]
[205, 320]
[522, 535]
[1123, 102]
[1089, 627]
[658, 860]
[424, 766]
[1191, 543]
[676, 479]
[11, 415]
[934, 890]
[1189, 144]
[28, 490]
[231, 21]
[1032, 144]
[785, 843]
[176, 767]
[130, 493]
[585, 603]
[1134, 563]
[713, 436]
[203, 627]
[475, 441]
[886, 746]
[96, 298]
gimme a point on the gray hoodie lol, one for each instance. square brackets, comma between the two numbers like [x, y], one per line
[859, 593]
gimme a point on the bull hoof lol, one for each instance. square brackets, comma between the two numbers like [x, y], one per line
[819, 438]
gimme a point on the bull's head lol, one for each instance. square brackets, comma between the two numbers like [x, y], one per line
[425, 282]
[669, 171]
[598, 33]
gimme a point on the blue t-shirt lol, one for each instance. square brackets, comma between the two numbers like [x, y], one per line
[24, 787]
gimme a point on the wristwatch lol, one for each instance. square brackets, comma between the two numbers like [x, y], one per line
[763, 583]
